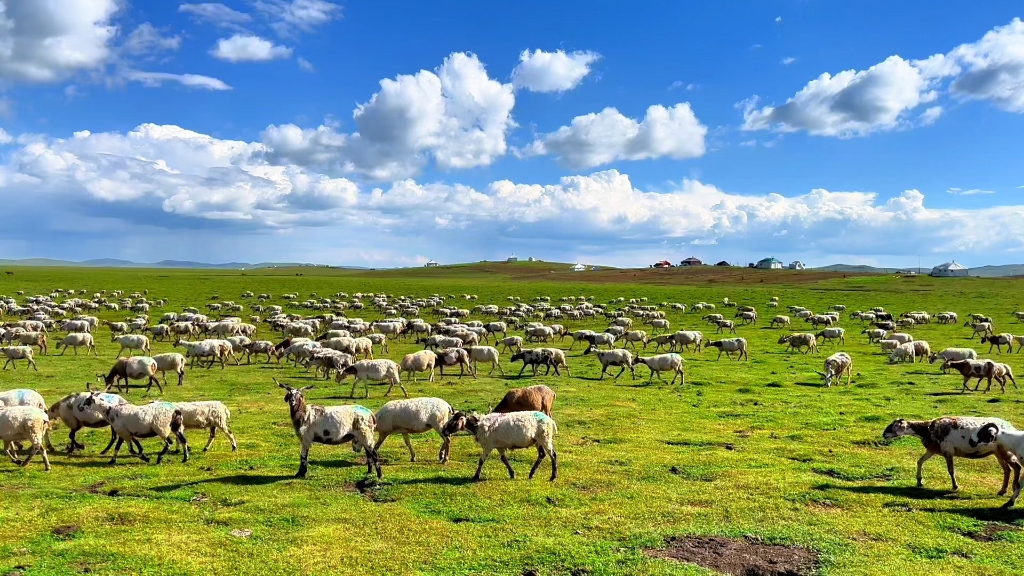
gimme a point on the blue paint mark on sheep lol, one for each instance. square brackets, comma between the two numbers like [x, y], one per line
[21, 396]
[541, 417]
[110, 398]
[167, 405]
[362, 409]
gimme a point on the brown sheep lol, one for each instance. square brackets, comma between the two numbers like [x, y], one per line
[538, 398]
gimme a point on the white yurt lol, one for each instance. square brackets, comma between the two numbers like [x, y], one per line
[949, 270]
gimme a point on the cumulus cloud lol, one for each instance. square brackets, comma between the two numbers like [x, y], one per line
[157, 79]
[993, 68]
[215, 13]
[455, 115]
[147, 39]
[43, 42]
[609, 136]
[557, 71]
[248, 48]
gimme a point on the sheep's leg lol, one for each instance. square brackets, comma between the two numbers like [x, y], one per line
[404, 392]
[502, 453]
[352, 394]
[366, 388]
[1004, 463]
[304, 461]
[536, 464]
[446, 446]
[480, 464]
[32, 452]
[213, 434]
[408, 444]
[46, 438]
[113, 438]
[117, 448]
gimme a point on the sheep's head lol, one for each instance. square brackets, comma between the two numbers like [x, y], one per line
[461, 421]
[293, 395]
[985, 435]
[896, 429]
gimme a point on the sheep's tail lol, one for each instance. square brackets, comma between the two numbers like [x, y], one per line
[177, 421]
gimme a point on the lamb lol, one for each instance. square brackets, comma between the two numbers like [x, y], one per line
[902, 353]
[421, 361]
[951, 436]
[171, 362]
[18, 353]
[1008, 445]
[76, 339]
[130, 422]
[832, 334]
[414, 416]
[131, 342]
[874, 334]
[619, 357]
[503, 432]
[780, 321]
[25, 424]
[670, 362]
[134, 368]
[381, 370]
[75, 416]
[729, 346]
[330, 425]
[835, 366]
[485, 354]
[799, 340]
[537, 398]
[212, 415]
[685, 338]
[998, 341]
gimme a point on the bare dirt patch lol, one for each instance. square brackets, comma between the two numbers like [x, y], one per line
[66, 532]
[991, 532]
[746, 557]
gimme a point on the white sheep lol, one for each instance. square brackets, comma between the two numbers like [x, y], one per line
[76, 339]
[18, 353]
[799, 340]
[617, 357]
[954, 354]
[25, 424]
[730, 345]
[486, 355]
[874, 334]
[414, 416]
[130, 422]
[71, 411]
[779, 320]
[422, 361]
[209, 415]
[508, 431]
[902, 353]
[835, 366]
[685, 338]
[171, 362]
[215, 350]
[888, 345]
[832, 334]
[131, 343]
[22, 397]
[381, 370]
[922, 350]
[901, 337]
[670, 362]
[512, 343]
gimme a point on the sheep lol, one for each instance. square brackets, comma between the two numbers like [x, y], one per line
[632, 337]
[34, 339]
[76, 339]
[1000, 372]
[888, 345]
[901, 337]
[510, 431]
[874, 334]
[259, 347]
[130, 422]
[421, 361]
[485, 354]
[437, 341]
[512, 342]
[747, 317]
[455, 357]
[724, 325]
[619, 357]
[780, 320]
[902, 353]
[215, 350]
[75, 416]
[76, 326]
[211, 414]
[686, 338]
[922, 350]
[947, 318]
[21, 397]
[832, 334]
[954, 354]
[381, 370]
[1009, 448]
[835, 366]
[729, 346]
[540, 334]
[670, 362]
[998, 341]
[597, 339]
[971, 369]
[661, 340]
[131, 342]
[537, 398]
[414, 416]
[18, 353]
[983, 328]
[171, 362]
[160, 332]
[134, 368]
[950, 436]
[549, 357]
[326, 359]
[799, 340]
[820, 320]
[25, 424]
[712, 318]
[379, 340]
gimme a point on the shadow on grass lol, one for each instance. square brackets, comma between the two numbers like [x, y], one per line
[234, 480]
[901, 491]
[809, 384]
[943, 393]
[438, 481]
[994, 514]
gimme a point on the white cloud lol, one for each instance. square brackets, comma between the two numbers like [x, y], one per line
[749, 143]
[305, 65]
[930, 115]
[248, 48]
[778, 19]
[609, 136]
[993, 68]
[5, 138]
[788, 60]
[52, 40]
[215, 13]
[146, 39]
[557, 71]
[157, 79]
[971, 192]
[292, 16]
[455, 115]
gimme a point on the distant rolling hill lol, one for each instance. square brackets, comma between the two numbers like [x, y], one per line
[115, 263]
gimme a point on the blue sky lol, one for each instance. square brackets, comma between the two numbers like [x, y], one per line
[389, 133]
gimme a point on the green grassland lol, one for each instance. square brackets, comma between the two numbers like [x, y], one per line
[743, 448]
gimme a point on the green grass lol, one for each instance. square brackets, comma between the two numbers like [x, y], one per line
[756, 448]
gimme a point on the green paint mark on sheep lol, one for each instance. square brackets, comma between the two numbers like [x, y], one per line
[167, 405]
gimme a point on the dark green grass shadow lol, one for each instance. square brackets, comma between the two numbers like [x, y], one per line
[901, 491]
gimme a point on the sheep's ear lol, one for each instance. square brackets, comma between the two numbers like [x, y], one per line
[310, 387]
[281, 385]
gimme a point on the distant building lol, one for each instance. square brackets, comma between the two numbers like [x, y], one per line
[769, 264]
[578, 268]
[512, 259]
[531, 259]
[723, 263]
[691, 261]
[430, 264]
[949, 270]
[663, 264]
[796, 265]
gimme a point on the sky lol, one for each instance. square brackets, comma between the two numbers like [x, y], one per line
[390, 133]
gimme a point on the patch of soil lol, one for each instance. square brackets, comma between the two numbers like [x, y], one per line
[990, 531]
[97, 488]
[66, 532]
[372, 489]
[747, 557]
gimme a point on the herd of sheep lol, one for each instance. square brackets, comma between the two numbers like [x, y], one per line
[318, 334]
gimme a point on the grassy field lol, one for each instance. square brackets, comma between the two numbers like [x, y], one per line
[752, 448]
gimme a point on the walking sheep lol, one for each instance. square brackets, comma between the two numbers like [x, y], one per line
[414, 416]
[538, 398]
[511, 431]
[129, 422]
[25, 424]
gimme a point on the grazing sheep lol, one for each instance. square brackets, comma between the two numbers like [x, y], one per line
[998, 341]
[835, 366]
[131, 342]
[414, 416]
[76, 339]
[538, 398]
[780, 321]
[171, 362]
[134, 368]
[130, 422]
[950, 436]
[504, 432]
[422, 361]
[619, 357]
[330, 425]
[799, 340]
[18, 353]
[1009, 447]
[381, 370]
[729, 346]
[25, 424]
[670, 362]
[209, 415]
[902, 353]
[75, 416]
[486, 355]
[922, 350]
